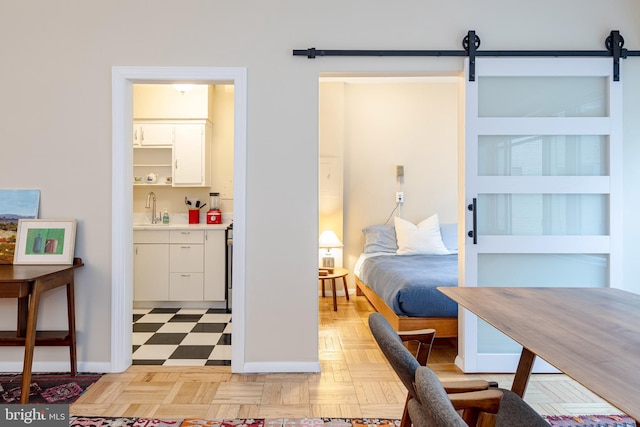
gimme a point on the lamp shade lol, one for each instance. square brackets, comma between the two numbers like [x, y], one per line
[328, 239]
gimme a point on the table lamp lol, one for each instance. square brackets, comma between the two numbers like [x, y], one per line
[329, 240]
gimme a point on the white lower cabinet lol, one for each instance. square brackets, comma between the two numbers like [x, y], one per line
[179, 265]
[186, 265]
[214, 263]
[186, 286]
[151, 265]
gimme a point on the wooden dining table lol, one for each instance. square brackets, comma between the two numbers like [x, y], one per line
[590, 334]
[27, 283]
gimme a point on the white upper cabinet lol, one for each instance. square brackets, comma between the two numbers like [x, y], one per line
[153, 134]
[187, 143]
[192, 154]
[175, 120]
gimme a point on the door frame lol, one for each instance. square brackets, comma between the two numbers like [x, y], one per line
[122, 79]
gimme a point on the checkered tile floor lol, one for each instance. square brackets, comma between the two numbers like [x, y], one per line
[181, 337]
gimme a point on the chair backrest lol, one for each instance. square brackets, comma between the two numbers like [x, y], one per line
[436, 409]
[399, 356]
[433, 406]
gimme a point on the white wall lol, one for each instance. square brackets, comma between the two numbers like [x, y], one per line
[331, 137]
[222, 160]
[163, 101]
[56, 122]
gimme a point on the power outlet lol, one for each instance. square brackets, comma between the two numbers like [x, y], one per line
[399, 197]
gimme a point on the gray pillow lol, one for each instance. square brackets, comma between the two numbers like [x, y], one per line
[380, 238]
[449, 234]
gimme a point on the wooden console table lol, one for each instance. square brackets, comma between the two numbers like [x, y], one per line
[27, 283]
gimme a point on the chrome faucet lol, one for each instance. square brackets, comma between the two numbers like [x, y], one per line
[154, 219]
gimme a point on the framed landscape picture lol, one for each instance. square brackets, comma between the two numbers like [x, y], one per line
[45, 241]
[15, 205]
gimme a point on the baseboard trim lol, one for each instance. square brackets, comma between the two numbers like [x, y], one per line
[281, 367]
[61, 367]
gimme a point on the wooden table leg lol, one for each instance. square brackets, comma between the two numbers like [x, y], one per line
[30, 342]
[521, 378]
[346, 291]
[71, 316]
[322, 283]
[23, 316]
[333, 291]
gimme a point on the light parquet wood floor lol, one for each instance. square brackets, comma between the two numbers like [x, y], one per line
[356, 381]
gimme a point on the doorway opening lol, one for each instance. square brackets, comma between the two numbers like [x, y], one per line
[371, 124]
[123, 79]
[182, 165]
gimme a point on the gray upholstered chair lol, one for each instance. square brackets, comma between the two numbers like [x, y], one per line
[404, 363]
[433, 407]
[400, 358]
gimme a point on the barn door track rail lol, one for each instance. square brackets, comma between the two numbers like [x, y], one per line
[471, 43]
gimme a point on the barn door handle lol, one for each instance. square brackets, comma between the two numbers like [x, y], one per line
[474, 233]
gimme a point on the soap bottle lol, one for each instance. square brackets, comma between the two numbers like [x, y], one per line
[165, 217]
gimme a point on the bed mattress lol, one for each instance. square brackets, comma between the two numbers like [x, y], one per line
[407, 283]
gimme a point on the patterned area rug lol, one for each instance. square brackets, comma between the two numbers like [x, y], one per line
[591, 421]
[256, 422]
[556, 421]
[46, 388]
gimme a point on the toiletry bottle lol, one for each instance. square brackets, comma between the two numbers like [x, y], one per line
[165, 217]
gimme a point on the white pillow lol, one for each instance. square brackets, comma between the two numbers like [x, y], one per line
[424, 238]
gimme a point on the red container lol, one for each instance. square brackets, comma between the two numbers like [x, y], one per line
[214, 216]
[194, 216]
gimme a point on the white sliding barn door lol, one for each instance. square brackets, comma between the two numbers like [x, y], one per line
[543, 169]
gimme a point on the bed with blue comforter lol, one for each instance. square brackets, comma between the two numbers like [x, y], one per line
[407, 283]
[399, 273]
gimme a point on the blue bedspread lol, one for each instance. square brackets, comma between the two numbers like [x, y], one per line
[407, 283]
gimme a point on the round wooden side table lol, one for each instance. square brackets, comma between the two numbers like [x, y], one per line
[337, 273]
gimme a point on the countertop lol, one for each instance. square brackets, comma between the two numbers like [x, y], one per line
[180, 226]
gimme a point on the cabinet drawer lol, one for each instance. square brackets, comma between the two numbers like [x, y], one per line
[187, 236]
[186, 258]
[186, 286]
[151, 236]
